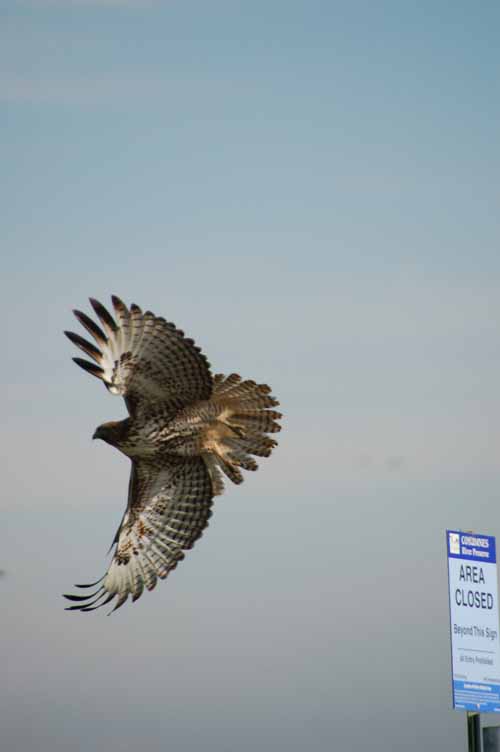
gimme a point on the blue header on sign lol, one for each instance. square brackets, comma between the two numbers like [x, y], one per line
[471, 546]
[476, 696]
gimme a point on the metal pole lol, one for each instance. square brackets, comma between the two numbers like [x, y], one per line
[473, 731]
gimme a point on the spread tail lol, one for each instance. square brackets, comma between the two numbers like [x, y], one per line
[244, 417]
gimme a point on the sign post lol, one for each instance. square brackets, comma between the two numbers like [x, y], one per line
[473, 731]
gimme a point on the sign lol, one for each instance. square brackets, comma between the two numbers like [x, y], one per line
[475, 644]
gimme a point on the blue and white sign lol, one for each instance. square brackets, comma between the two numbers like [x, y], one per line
[475, 644]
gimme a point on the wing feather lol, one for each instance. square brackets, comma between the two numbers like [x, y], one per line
[92, 328]
[168, 508]
[89, 367]
[87, 347]
[106, 319]
[142, 357]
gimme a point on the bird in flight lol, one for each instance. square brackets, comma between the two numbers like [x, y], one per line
[185, 431]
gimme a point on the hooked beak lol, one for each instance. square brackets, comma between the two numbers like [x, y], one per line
[96, 434]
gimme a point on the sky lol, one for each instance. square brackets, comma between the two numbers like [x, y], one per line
[310, 191]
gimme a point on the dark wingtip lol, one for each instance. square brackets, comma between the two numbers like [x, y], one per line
[91, 327]
[91, 584]
[103, 314]
[85, 602]
[92, 368]
[84, 345]
[118, 605]
[71, 597]
[82, 609]
[118, 303]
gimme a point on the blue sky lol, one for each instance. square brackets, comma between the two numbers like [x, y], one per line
[310, 190]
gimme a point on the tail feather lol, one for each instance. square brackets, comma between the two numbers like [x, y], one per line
[253, 401]
[243, 420]
[229, 468]
[257, 421]
[238, 454]
[260, 446]
[213, 467]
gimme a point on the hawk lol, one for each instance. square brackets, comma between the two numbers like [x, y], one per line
[185, 431]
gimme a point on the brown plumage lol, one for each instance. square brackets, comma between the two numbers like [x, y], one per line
[186, 430]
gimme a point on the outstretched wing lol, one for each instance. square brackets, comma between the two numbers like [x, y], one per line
[143, 358]
[168, 509]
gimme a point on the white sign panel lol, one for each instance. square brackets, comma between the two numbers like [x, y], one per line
[475, 643]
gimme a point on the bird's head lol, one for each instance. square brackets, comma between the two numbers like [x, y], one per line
[112, 433]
